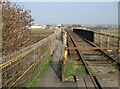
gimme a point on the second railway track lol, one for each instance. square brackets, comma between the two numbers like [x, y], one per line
[102, 71]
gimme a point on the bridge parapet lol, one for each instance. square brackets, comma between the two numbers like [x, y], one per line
[17, 67]
[107, 42]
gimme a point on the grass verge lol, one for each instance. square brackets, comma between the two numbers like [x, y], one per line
[69, 69]
[80, 70]
[91, 69]
[36, 76]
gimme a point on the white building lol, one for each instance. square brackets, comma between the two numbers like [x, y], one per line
[36, 27]
[43, 26]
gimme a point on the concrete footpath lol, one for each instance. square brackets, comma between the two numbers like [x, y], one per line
[50, 78]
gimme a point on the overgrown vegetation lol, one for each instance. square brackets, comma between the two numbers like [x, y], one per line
[91, 69]
[70, 69]
[15, 31]
[37, 75]
[74, 68]
[80, 70]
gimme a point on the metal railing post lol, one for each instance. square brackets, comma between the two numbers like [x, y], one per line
[119, 48]
[64, 65]
[95, 38]
[108, 41]
[100, 40]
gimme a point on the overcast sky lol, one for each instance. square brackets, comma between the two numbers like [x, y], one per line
[73, 12]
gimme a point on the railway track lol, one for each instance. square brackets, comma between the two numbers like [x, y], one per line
[99, 66]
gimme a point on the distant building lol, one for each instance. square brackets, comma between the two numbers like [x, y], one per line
[36, 27]
[59, 26]
[77, 26]
[40, 26]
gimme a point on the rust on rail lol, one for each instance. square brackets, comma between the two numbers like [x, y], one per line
[92, 48]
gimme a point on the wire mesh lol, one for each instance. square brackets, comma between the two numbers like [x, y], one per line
[17, 65]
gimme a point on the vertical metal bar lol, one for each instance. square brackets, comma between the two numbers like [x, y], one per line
[38, 52]
[95, 37]
[119, 48]
[108, 40]
[100, 40]
[64, 65]
[49, 46]
[1, 24]
[1, 59]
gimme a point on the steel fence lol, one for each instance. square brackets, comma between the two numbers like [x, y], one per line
[110, 41]
[106, 40]
[16, 67]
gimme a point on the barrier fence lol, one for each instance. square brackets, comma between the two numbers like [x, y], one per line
[108, 41]
[17, 67]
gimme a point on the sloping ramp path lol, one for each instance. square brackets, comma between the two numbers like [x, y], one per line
[51, 79]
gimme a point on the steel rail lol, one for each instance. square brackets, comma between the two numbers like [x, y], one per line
[94, 80]
[112, 59]
[92, 48]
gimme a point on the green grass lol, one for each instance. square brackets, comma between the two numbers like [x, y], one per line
[35, 77]
[92, 71]
[79, 70]
[69, 68]
[74, 68]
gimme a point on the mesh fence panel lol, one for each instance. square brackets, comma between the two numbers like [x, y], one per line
[0, 42]
[19, 64]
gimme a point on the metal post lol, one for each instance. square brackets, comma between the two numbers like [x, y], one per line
[108, 41]
[39, 52]
[64, 65]
[119, 48]
[49, 45]
[95, 38]
[100, 40]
